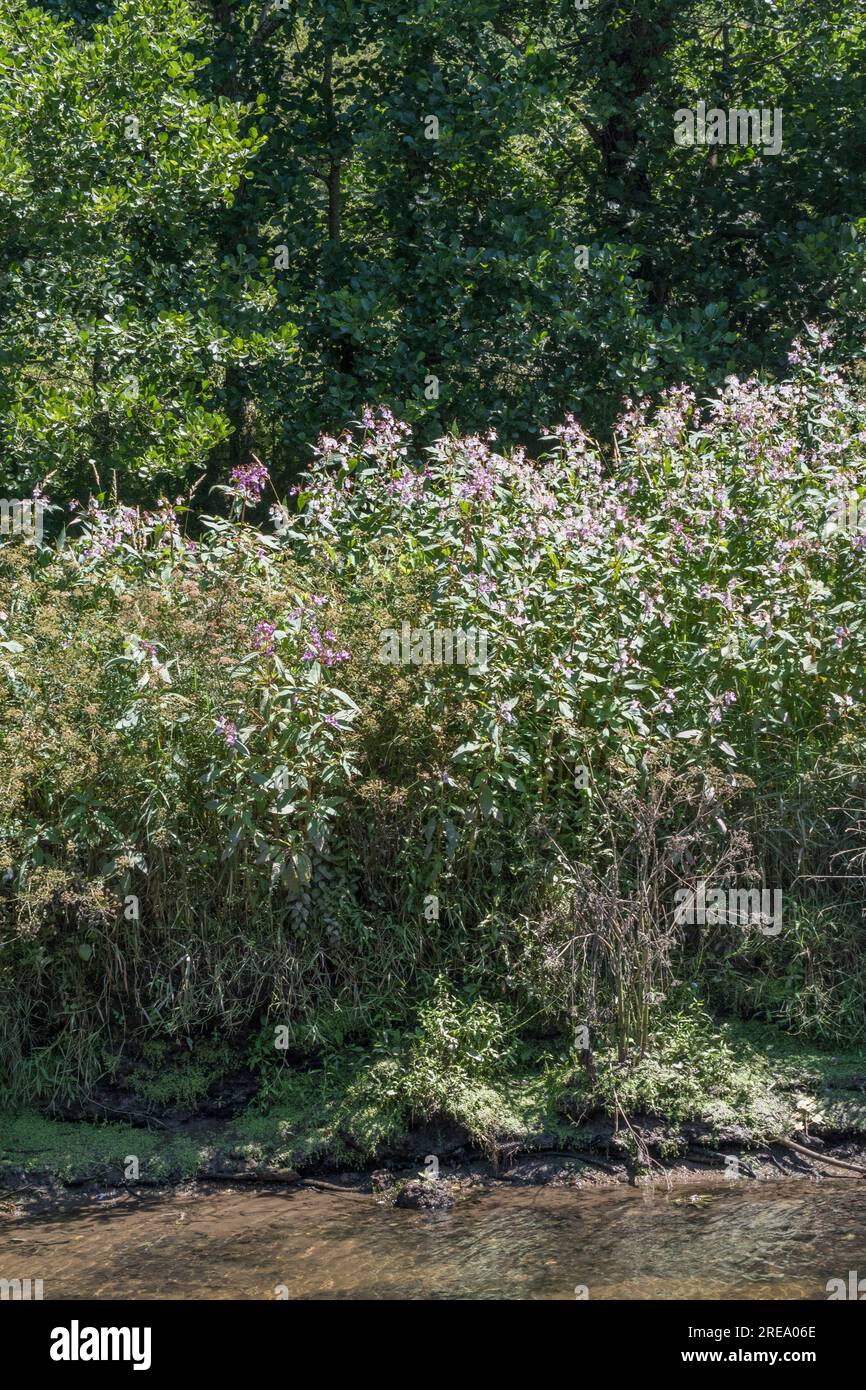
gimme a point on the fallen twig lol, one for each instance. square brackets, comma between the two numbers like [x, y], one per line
[822, 1158]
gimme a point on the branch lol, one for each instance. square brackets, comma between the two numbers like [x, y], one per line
[267, 25]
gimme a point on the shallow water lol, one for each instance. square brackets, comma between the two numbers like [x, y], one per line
[734, 1240]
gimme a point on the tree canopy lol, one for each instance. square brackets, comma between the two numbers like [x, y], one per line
[228, 226]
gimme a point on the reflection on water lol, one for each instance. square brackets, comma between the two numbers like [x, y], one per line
[737, 1241]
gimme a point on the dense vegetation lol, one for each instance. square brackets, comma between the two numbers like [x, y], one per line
[230, 818]
[590, 400]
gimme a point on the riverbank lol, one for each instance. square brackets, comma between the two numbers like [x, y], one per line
[35, 1189]
[727, 1099]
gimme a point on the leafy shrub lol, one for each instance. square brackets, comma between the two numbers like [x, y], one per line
[257, 818]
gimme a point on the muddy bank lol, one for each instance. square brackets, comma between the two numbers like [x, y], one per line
[431, 1168]
[741, 1101]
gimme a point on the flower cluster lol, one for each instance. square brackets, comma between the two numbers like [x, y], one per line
[718, 703]
[323, 647]
[227, 730]
[263, 638]
[384, 433]
[248, 480]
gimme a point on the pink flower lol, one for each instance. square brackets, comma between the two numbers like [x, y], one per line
[227, 730]
[263, 638]
[249, 480]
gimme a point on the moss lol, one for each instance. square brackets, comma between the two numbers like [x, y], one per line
[75, 1152]
[841, 1112]
[356, 1108]
[794, 1061]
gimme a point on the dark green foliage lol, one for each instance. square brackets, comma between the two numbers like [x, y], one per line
[277, 241]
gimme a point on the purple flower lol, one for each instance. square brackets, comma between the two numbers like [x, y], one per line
[227, 730]
[728, 697]
[387, 432]
[322, 648]
[263, 638]
[249, 480]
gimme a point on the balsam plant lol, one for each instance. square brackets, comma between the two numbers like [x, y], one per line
[227, 809]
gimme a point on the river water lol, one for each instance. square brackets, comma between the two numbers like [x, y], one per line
[733, 1240]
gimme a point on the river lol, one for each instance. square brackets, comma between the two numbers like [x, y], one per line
[736, 1240]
